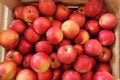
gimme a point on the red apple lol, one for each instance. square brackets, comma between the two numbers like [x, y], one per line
[40, 62]
[15, 56]
[9, 38]
[54, 35]
[93, 60]
[47, 7]
[108, 21]
[62, 12]
[93, 47]
[57, 73]
[71, 75]
[66, 54]
[79, 49]
[82, 64]
[81, 9]
[41, 25]
[26, 74]
[56, 23]
[70, 29]
[64, 42]
[30, 13]
[87, 76]
[66, 67]
[106, 37]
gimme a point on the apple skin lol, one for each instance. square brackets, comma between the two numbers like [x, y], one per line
[93, 60]
[54, 35]
[81, 9]
[77, 17]
[105, 55]
[18, 25]
[103, 76]
[26, 74]
[106, 37]
[40, 62]
[30, 13]
[71, 75]
[66, 54]
[66, 67]
[11, 40]
[108, 21]
[92, 26]
[31, 36]
[47, 7]
[82, 37]
[87, 76]
[82, 64]
[41, 25]
[64, 42]
[55, 63]
[70, 29]
[56, 23]
[93, 47]
[57, 73]
[15, 56]
[62, 12]
[79, 49]
[6, 68]
[46, 75]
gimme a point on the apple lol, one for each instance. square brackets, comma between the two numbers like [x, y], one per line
[46, 75]
[56, 23]
[102, 76]
[14, 55]
[62, 12]
[64, 42]
[108, 21]
[87, 76]
[31, 36]
[57, 73]
[66, 54]
[47, 7]
[66, 67]
[6, 68]
[79, 18]
[106, 37]
[9, 38]
[82, 37]
[71, 75]
[40, 62]
[105, 55]
[55, 63]
[70, 29]
[79, 49]
[26, 74]
[18, 25]
[30, 13]
[92, 26]
[50, 18]
[93, 47]
[82, 64]
[41, 25]
[93, 60]
[54, 35]
[81, 9]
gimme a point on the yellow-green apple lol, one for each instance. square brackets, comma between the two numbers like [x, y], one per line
[81, 9]
[66, 54]
[55, 63]
[30, 13]
[18, 25]
[46, 75]
[108, 21]
[82, 64]
[9, 38]
[82, 37]
[102, 76]
[41, 25]
[31, 36]
[105, 55]
[79, 48]
[93, 8]
[43, 46]
[54, 35]
[8, 70]
[18, 11]
[77, 17]
[47, 7]
[87, 76]
[71, 75]
[62, 12]
[40, 62]
[92, 26]
[26, 60]
[70, 29]
[56, 23]
[26, 74]
[14, 55]
[57, 73]
[66, 67]
[24, 46]
[93, 47]
[106, 37]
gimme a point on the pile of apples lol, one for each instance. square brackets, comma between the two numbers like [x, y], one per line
[50, 41]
